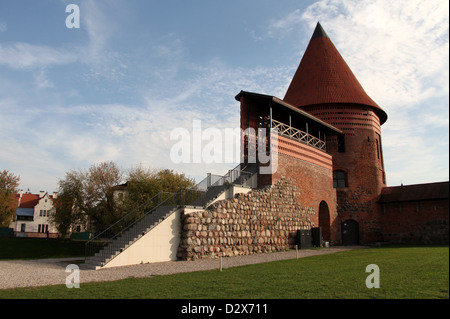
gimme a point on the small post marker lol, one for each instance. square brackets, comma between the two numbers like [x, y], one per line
[220, 263]
[296, 250]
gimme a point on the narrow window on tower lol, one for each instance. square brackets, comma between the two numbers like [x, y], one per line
[341, 143]
[378, 149]
[339, 179]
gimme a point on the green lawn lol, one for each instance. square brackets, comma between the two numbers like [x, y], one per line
[37, 248]
[405, 273]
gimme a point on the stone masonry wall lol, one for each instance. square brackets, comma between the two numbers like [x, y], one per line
[416, 222]
[260, 221]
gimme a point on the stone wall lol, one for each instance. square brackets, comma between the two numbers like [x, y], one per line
[260, 221]
[425, 222]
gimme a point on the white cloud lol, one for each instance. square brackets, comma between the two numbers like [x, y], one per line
[99, 29]
[399, 58]
[21, 55]
[398, 50]
[96, 53]
[42, 81]
[76, 136]
[101, 20]
[287, 24]
[394, 48]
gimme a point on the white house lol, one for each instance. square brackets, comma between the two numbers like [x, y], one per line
[32, 215]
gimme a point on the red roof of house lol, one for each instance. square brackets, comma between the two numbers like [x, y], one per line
[29, 200]
[324, 77]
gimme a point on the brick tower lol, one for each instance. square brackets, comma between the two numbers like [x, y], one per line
[325, 87]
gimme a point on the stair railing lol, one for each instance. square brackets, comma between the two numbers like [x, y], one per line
[168, 202]
[104, 237]
[195, 196]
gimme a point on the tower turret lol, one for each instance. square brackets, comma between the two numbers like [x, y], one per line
[325, 87]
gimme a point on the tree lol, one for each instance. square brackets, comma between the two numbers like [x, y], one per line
[147, 187]
[169, 181]
[99, 192]
[70, 203]
[87, 196]
[8, 187]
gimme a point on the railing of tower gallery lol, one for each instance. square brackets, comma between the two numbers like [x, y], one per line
[298, 135]
[125, 230]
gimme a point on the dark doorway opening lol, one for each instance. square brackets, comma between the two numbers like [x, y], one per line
[324, 221]
[350, 232]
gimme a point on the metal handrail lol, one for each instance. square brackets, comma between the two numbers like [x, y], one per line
[99, 235]
[231, 176]
[184, 197]
[130, 234]
[106, 236]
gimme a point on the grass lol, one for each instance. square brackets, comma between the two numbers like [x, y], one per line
[37, 248]
[405, 273]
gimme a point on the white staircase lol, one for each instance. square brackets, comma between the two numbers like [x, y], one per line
[102, 250]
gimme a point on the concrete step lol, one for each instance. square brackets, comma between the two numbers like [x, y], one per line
[129, 237]
[90, 264]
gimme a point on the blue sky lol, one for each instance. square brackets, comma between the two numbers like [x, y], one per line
[116, 87]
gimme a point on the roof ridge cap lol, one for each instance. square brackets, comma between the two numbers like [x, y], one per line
[319, 32]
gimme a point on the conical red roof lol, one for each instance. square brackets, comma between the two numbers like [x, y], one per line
[324, 77]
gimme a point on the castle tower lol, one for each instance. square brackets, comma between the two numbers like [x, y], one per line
[325, 87]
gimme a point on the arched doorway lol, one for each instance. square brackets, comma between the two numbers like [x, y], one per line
[350, 232]
[324, 221]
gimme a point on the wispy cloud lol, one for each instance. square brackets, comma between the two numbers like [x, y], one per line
[42, 81]
[96, 52]
[289, 23]
[78, 135]
[99, 29]
[399, 52]
[21, 55]
[405, 50]
[400, 59]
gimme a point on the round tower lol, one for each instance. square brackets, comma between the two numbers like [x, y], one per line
[325, 87]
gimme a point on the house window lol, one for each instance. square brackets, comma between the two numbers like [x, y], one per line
[339, 179]
[42, 228]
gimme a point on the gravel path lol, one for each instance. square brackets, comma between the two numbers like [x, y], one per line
[45, 272]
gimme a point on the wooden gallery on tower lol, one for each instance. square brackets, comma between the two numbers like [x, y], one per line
[329, 143]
